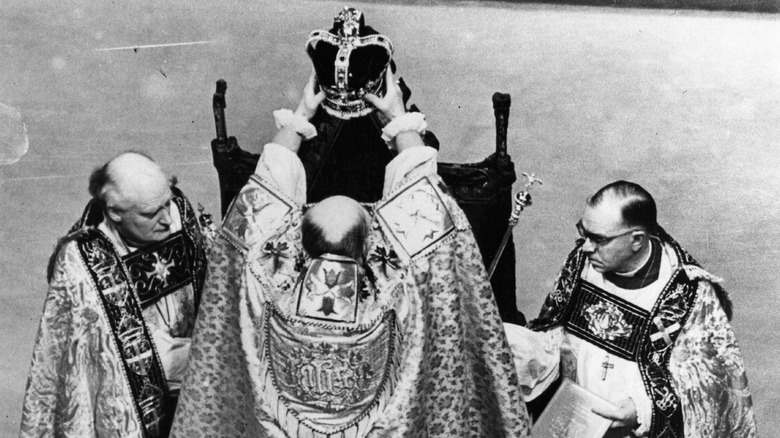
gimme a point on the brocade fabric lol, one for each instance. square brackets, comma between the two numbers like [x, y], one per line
[695, 377]
[78, 384]
[708, 374]
[448, 371]
[76, 387]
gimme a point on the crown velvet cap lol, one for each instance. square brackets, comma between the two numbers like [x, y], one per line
[350, 60]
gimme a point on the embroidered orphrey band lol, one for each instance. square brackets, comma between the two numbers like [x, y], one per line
[607, 321]
[160, 269]
[142, 365]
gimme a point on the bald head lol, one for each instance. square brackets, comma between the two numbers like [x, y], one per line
[136, 196]
[634, 205]
[129, 180]
[337, 225]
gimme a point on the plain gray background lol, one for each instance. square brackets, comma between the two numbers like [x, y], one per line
[686, 103]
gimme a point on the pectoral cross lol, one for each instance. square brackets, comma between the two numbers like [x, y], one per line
[606, 365]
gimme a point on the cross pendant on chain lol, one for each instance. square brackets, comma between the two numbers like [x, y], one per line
[606, 365]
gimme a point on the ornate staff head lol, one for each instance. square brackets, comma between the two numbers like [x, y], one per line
[523, 197]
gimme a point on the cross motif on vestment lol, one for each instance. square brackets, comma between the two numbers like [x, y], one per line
[606, 365]
[151, 414]
[138, 352]
[162, 269]
[663, 332]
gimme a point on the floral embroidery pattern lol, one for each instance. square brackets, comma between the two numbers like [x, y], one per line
[385, 259]
[606, 321]
[275, 251]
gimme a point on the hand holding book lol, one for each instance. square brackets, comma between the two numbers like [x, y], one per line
[624, 415]
[571, 413]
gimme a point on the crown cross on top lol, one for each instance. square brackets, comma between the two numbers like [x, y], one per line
[350, 19]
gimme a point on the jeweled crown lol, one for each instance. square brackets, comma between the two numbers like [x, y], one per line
[350, 61]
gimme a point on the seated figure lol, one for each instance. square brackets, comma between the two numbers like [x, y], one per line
[345, 320]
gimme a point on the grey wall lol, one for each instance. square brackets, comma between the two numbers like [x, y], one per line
[686, 103]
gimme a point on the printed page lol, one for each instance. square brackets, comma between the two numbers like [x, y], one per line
[569, 415]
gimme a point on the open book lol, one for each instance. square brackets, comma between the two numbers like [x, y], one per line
[569, 415]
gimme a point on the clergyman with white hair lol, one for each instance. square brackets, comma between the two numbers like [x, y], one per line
[124, 286]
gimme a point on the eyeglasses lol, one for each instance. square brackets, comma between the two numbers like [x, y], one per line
[599, 240]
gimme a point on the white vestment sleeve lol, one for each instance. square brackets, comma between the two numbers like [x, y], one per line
[537, 357]
[415, 161]
[284, 169]
[173, 354]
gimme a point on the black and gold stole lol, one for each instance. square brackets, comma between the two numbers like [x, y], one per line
[141, 363]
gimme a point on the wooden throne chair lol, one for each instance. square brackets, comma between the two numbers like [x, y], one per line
[348, 157]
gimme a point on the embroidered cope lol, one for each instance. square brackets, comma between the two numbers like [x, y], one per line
[115, 332]
[285, 346]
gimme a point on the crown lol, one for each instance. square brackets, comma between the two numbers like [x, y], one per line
[350, 61]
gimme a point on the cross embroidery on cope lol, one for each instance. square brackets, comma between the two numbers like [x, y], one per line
[329, 290]
[416, 217]
[151, 397]
[255, 213]
[663, 332]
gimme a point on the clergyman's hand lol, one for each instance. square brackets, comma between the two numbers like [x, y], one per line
[391, 105]
[624, 415]
[288, 136]
[310, 100]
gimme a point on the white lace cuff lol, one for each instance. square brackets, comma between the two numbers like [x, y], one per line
[642, 418]
[403, 123]
[285, 117]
